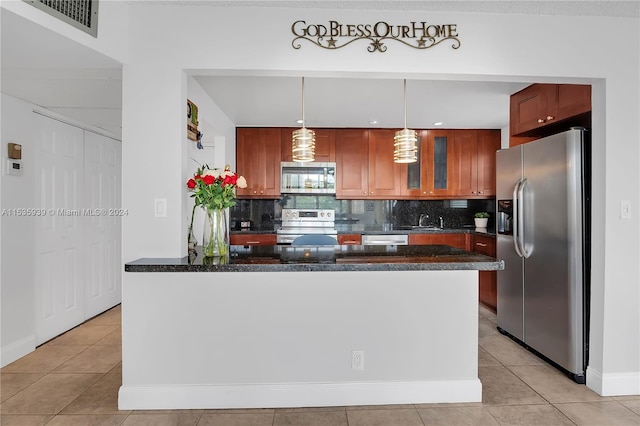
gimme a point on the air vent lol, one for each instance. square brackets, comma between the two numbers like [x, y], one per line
[82, 14]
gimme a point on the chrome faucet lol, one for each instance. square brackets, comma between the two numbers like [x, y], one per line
[424, 220]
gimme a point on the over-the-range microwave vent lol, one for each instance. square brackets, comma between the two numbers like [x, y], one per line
[82, 14]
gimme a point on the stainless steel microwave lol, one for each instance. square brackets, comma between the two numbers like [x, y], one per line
[307, 178]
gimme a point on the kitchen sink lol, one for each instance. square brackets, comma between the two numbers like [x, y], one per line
[425, 227]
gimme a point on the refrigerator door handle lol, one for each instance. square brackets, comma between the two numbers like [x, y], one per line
[517, 193]
[521, 210]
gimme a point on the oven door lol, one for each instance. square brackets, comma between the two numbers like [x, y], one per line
[286, 236]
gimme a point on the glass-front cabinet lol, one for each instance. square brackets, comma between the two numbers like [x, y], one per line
[431, 175]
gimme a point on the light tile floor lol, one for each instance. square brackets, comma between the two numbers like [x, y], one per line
[74, 379]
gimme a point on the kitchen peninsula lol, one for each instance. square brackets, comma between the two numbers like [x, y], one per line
[286, 326]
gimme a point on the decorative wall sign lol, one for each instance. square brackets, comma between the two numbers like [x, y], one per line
[334, 35]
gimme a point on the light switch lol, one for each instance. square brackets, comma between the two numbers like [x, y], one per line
[160, 207]
[625, 209]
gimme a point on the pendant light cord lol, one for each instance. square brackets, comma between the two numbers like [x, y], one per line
[405, 103]
[303, 102]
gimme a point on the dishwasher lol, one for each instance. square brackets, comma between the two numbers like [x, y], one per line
[385, 239]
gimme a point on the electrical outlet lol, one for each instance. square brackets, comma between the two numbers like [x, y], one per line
[357, 360]
[160, 207]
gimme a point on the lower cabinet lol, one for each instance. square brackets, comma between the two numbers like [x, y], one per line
[453, 240]
[253, 239]
[488, 293]
[349, 239]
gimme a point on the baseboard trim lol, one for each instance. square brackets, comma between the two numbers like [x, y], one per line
[613, 384]
[16, 350]
[297, 394]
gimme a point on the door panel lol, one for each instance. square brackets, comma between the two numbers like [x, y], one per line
[510, 280]
[58, 249]
[553, 292]
[102, 173]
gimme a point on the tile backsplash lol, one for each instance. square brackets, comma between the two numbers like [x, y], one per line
[267, 214]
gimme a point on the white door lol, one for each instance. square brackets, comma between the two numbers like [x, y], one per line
[58, 244]
[102, 189]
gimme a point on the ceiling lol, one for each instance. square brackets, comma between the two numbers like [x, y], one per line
[61, 75]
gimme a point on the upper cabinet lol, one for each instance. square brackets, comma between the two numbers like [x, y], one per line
[451, 163]
[325, 144]
[352, 163]
[433, 174]
[385, 176]
[258, 160]
[474, 160]
[541, 106]
[365, 166]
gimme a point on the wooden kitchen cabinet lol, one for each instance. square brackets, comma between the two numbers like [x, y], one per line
[454, 240]
[253, 239]
[432, 175]
[385, 176]
[364, 164]
[258, 156]
[541, 105]
[349, 239]
[488, 294]
[352, 163]
[474, 162]
[325, 144]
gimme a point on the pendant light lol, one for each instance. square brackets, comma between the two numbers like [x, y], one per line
[303, 144]
[405, 148]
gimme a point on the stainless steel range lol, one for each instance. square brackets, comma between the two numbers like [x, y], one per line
[298, 222]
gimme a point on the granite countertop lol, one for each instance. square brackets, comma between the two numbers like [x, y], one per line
[285, 258]
[381, 230]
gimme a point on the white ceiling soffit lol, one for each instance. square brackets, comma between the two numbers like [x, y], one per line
[524, 7]
[47, 69]
[357, 102]
[51, 71]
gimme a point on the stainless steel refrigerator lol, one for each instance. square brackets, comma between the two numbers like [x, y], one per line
[543, 236]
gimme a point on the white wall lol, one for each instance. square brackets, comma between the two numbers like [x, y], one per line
[166, 40]
[229, 340]
[112, 18]
[550, 48]
[17, 292]
[219, 147]
[19, 226]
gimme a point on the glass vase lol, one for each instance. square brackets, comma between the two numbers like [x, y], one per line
[192, 242]
[215, 239]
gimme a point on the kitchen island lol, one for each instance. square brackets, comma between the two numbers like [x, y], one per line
[285, 326]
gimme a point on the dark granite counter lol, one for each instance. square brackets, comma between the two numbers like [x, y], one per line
[324, 258]
[382, 230]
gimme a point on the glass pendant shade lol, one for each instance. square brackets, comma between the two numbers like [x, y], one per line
[303, 144]
[405, 148]
[405, 142]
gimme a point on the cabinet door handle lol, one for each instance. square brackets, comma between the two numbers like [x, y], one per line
[349, 242]
[480, 192]
[550, 117]
[481, 244]
[540, 120]
[252, 242]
